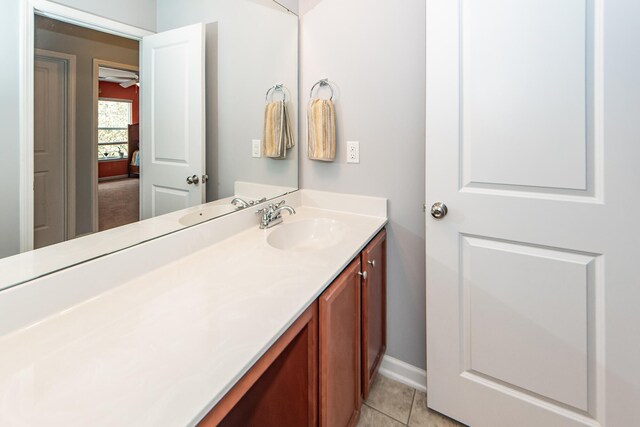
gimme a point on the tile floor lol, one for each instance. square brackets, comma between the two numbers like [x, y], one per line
[391, 404]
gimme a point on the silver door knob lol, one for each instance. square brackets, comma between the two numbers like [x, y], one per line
[363, 274]
[193, 179]
[439, 210]
[373, 263]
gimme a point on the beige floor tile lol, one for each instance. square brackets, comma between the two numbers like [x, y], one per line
[371, 418]
[391, 398]
[421, 416]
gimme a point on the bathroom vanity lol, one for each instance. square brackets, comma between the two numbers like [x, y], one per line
[223, 323]
[319, 366]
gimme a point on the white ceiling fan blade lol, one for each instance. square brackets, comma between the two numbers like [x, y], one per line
[128, 83]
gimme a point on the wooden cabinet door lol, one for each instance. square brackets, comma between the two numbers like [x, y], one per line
[339, 345]
[374, 309]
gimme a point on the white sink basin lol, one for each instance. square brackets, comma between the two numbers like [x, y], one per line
[205, 214]
[307, 235]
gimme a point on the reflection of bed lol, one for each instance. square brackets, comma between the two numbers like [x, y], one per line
[134, 153]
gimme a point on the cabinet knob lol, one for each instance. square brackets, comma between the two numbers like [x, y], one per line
[373, 263]
[363, 274]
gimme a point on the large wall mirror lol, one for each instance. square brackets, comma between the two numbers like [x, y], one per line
[136, 136]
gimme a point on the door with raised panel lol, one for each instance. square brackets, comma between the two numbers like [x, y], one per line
[374, 309]
[533, 130]
[53, 85]
[339, 349]
[172, 145]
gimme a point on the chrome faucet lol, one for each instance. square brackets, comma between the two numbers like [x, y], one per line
[241, 204]
[272, 214]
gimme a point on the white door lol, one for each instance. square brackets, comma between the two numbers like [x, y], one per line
[172, 140]
[533, 144]
[49, 181]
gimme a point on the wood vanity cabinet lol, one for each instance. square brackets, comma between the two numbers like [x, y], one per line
[339, 346]
[374, 309]
[318, 371]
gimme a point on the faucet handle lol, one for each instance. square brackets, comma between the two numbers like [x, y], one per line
[281, 203]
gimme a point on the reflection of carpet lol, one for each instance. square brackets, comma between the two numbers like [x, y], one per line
[118, 203]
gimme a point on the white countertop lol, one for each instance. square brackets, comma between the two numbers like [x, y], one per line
[162, 349]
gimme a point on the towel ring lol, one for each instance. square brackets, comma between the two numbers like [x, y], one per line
[322, 83]
[276, 88]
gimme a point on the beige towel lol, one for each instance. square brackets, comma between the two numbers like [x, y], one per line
[278, 135]
[321, 130]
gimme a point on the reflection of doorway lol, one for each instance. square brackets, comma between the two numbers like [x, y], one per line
[116, 100]
[75, 30]
[85, 45]
[54, 147]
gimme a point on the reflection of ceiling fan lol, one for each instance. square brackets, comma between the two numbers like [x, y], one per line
[130, 82]
[122, 77]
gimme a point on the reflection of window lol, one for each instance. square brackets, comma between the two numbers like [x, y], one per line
[113, 118]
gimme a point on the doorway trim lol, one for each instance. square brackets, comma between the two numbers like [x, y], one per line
[29, 9]
[70, 137]
[97, 63]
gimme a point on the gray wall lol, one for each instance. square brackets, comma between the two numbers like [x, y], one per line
[139, 13]
[211, 150]
[9, 116]
[375, 54]
[87, 45]
[257, 46]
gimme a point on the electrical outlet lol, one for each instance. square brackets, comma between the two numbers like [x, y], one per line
[256, 148]
[353, 152]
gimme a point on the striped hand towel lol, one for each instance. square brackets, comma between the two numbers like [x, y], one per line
[278, 135]
[321, 130]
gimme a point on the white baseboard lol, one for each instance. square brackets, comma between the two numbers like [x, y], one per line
[404, 373]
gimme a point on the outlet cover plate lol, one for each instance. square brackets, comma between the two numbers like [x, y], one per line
[353, 152]
[256, 148]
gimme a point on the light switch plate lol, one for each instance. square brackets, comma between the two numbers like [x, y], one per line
[353, 152]
[256, 148]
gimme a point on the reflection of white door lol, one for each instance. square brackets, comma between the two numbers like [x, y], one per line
[172, 141]
[533, 141]
[53, 148]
